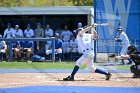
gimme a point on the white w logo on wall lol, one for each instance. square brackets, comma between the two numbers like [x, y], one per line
[116, 11]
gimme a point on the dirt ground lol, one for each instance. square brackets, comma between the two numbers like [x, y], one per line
[10, 80]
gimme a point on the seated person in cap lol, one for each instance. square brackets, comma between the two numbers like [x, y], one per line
[29, 33]
[27, 48]
[58, 47]
[18, 32]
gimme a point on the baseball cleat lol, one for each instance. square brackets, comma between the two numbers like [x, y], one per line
[68, 79]
[108, 76]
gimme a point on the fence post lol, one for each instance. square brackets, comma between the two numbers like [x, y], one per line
[11, 52]
[53, 50]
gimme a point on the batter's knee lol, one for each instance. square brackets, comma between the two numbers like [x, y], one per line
[91, 68]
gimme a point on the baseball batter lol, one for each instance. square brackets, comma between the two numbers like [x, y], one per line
[85, 41]
[125, 43]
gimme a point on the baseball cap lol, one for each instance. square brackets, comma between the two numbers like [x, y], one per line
[56, 34]
[16, 25]
[120, 28]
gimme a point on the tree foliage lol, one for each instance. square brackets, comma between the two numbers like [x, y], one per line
[43, 3]
[82, 2]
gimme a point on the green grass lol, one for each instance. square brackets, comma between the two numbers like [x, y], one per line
[47, 65]
[37, 65]
[124, 67]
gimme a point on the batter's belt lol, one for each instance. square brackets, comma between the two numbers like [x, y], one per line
[87, 49]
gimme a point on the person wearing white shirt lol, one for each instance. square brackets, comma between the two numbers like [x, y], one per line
[85, 41]
[9, 32]
[48, 35]
[18, 32]
[123, 38]
[29, 33]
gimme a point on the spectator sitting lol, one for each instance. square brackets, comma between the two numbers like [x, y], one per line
[9, 32]
[18, 33]
[27, 47]
[58, 47]
[16, 49]
[3, 47]
[29, 33]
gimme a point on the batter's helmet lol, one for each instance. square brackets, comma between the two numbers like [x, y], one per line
[120, 28]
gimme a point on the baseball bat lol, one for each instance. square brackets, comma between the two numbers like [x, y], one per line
[95, 25]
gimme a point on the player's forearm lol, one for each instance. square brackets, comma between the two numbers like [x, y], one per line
[123, 57]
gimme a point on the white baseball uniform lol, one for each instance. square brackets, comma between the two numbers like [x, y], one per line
[66, 35]
[8, 33]
[29, 33]
[48, 34]
[85, 42]
[125, 43]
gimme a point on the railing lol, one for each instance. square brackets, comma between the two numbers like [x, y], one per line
[30, 39]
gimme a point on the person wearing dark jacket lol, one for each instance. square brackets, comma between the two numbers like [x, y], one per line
[133, 54]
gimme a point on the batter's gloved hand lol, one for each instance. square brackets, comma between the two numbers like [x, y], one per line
[112, 55]
[116, 38]
[95, 38]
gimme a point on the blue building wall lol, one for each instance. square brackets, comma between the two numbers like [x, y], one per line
[117, 12]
